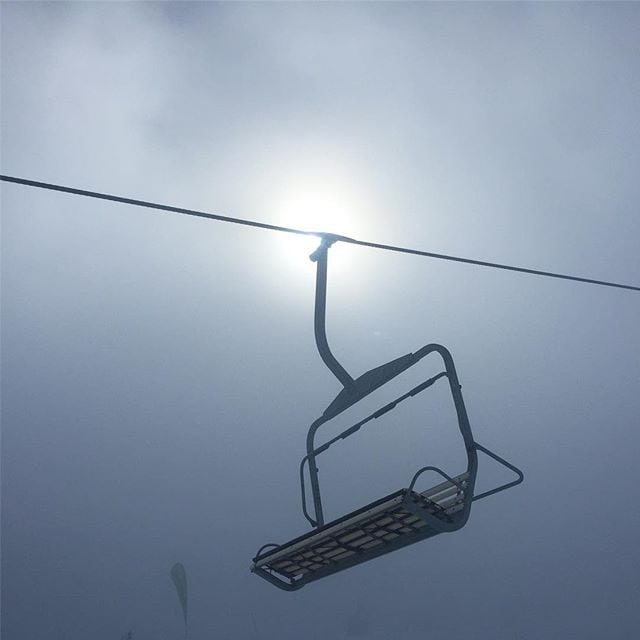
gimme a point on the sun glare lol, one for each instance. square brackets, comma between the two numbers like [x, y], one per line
[315, 211]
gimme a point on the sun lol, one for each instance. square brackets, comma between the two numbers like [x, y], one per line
[320, 211]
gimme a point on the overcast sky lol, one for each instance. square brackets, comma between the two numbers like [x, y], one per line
[159, 372]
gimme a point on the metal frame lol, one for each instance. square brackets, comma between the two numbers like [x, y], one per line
[404, 505]
[347, 401]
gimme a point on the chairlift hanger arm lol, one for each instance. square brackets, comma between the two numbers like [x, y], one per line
[320, 257]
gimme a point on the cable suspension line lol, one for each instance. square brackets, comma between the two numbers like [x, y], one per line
[328, 236]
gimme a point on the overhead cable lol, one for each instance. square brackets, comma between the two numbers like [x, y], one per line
[329, 236]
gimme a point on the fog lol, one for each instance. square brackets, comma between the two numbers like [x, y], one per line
[159, 372]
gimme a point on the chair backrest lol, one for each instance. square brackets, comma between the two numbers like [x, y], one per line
[362, 387]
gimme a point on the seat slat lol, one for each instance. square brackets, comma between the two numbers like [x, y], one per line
[383, 523]
[340, 526]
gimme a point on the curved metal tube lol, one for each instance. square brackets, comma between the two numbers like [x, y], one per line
[266, 546]
[419, 472]
[321, 257]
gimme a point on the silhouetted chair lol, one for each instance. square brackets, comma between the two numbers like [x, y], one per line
[389, 523]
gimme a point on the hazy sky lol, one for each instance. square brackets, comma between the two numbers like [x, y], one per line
[159, 372]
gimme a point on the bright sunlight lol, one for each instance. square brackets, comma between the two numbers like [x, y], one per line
[316, 210]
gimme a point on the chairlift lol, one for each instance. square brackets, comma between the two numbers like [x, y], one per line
[396, 520]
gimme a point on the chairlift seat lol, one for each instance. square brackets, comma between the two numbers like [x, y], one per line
[397, 520]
